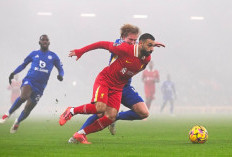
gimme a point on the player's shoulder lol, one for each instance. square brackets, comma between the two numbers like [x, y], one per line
[34, 52]
[120, 44]
[118, 41]
[53, 54]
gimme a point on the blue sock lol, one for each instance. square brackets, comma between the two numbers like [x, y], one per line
[128, 115]
[21, 117]
[25, 113]
[89, 121]
[18, 102]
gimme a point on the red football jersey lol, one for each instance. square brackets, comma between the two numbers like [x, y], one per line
[126, 65]
[150, 77]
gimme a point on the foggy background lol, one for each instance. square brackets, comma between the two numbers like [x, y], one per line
[197, 55]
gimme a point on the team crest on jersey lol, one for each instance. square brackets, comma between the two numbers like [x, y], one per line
[37, 56]
[49, 57]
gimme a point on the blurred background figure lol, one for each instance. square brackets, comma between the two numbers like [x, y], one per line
[14, 87]
[169, 93]
[150, 77]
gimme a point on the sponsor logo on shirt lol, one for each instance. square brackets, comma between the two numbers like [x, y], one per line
[125, 71]
[41, 67]
[41, 70]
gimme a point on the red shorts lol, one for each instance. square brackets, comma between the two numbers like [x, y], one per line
[102, 93]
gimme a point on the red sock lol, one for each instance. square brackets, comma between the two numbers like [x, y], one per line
[98, 125]
[85, 109]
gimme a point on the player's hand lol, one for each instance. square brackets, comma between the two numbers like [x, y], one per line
[157, 44]
[11, 77]
[60, 78]
[75, 53]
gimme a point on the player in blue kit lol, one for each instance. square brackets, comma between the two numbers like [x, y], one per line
[42, 62]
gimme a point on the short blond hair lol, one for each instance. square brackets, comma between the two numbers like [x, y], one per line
[128, 29]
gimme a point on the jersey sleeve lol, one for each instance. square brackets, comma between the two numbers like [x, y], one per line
[59, 65]
[27, 60]
[122, 49]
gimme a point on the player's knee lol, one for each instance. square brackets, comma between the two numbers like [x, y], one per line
[21, 100]
[112, 117]
[144, 114]
[24, 97]
[28, 107]
[141, 109]
[111, 113]
[100, 107]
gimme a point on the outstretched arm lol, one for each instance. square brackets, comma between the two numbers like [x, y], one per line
[115, 49]
[60, 69]
[27, 60]
[97, 45]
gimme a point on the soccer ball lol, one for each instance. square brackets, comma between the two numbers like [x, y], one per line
[198, 134]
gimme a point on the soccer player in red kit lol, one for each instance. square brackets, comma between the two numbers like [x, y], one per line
[150, 77]
[107, 89]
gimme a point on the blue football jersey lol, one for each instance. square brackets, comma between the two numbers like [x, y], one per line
[42, 64]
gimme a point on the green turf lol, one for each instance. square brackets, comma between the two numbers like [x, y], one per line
[160, 136]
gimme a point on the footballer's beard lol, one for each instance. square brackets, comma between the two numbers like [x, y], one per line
[146, 53]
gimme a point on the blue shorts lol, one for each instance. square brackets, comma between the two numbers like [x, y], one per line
[130, 96]
[36, 92]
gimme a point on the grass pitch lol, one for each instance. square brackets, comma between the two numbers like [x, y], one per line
[158, 136]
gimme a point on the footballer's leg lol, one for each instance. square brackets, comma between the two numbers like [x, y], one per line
[162, 107]
[30, 104]
[83, 109]
[24, 114]
[89, 121]
[132, 100]
[171, 106]
[98, 105]
[25, 94]
[148, 102]
[97, 125]
[113, 105]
